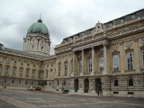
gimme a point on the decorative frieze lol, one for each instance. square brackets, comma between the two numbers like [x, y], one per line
[128, 43]
[115, 46]
[141, 40]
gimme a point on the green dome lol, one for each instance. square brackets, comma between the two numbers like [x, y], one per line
[38, 27]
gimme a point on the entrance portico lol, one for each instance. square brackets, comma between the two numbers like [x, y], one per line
[82, 66]
[82, 50]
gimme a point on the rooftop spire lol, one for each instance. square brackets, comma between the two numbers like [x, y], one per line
[39, 20]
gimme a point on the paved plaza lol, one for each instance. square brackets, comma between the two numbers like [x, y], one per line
[33, 99]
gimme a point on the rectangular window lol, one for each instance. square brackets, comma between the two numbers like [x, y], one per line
[14, 72]
[59, 69]
[115, 82]
[101, 64]
[80, 66]
[130, 82]
[115, 92]
[20, 72]
[131, 93]
[6, 71]
[90, 65]
[66, 69]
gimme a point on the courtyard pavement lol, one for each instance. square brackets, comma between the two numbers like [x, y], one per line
[33, 99]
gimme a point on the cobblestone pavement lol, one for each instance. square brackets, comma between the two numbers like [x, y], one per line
[33, 99]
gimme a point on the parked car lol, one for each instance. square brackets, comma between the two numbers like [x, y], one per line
[38, 88]
[31, 88]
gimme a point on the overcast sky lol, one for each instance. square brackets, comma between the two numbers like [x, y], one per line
[62, 17]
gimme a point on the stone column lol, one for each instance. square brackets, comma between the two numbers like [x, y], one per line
[105, 59]
[81, 74]
[72, 74]
[93, 61]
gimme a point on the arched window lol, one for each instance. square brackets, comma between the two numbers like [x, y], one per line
[116, 63]
[142, 58]
[59, 68]
[101, 64]
[129, 60]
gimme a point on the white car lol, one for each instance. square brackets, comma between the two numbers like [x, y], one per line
[31, 88]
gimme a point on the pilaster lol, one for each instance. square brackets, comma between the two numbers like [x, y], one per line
[74, 64]
[82, 72]
[72, 85]
[122, 58]
[105, 59]
[91, 85]
[106, 86]
[81, 86]
[93, 61]
[136, 57]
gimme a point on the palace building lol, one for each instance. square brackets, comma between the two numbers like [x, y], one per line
[107, 59]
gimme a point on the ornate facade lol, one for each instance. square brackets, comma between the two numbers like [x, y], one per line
[107, 59]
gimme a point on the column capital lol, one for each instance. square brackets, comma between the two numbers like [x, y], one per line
[92, 47]
[82, 49]
[105, 43]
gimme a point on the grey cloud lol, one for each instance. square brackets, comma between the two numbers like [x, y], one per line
[62, 17]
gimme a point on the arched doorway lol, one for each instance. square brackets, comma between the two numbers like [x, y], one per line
[76, 85]
[86, 85]
[98, 86]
